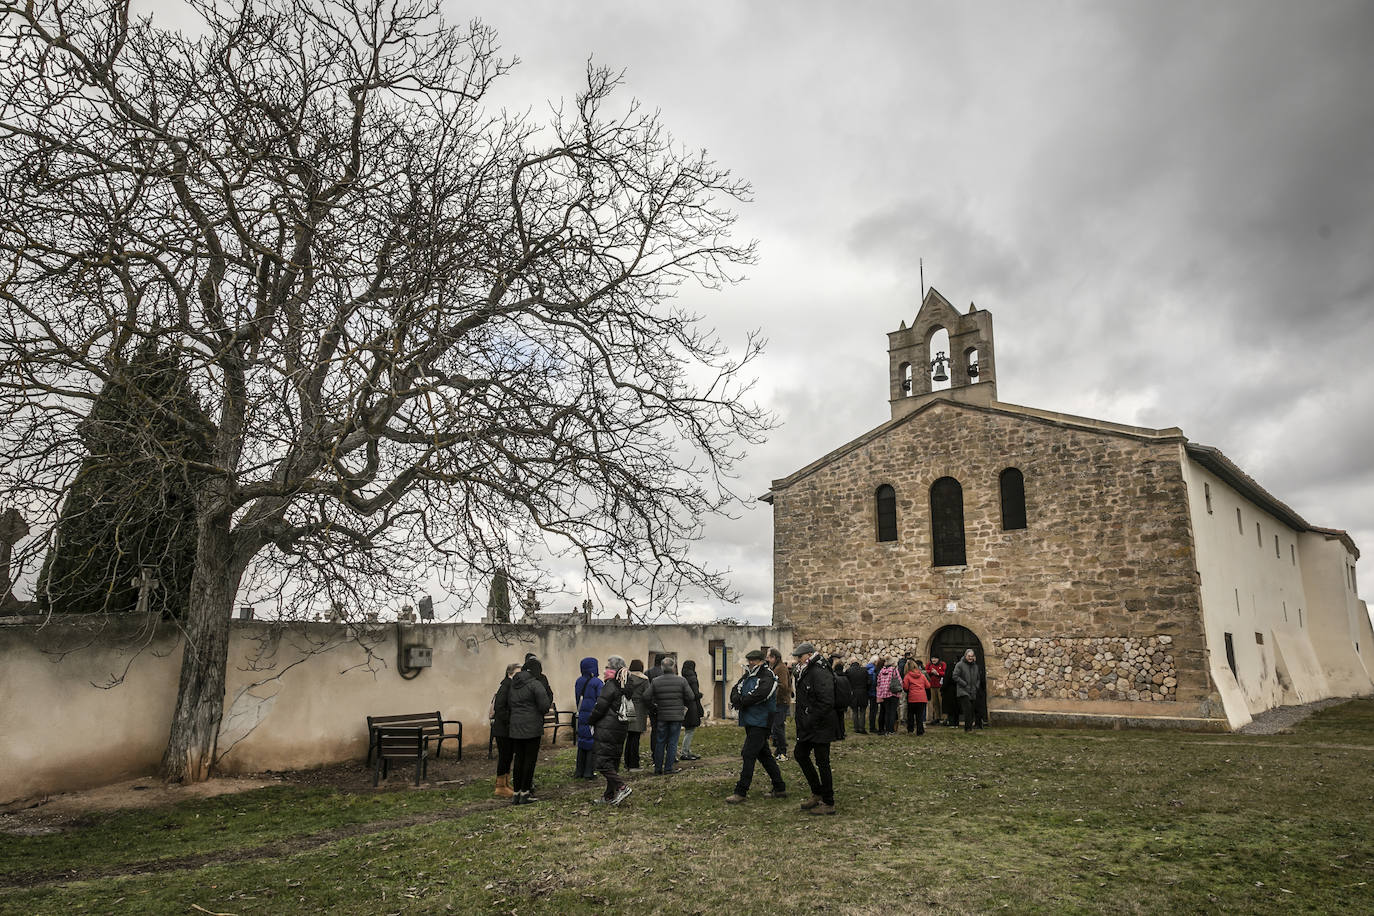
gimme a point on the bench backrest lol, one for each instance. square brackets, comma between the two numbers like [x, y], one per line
[400, 741]
[431, 722]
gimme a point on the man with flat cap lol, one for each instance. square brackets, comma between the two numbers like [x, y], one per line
[755, 695]
[813, 690]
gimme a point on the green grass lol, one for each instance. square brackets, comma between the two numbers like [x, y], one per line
[1022, 820]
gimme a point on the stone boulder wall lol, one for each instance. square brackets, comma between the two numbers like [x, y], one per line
[1088, 668]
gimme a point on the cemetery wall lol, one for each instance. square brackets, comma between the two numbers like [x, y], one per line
[89, 702]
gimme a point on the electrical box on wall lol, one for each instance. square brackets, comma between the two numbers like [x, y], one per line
[419, 657]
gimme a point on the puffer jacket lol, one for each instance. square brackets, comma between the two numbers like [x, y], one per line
[915, 684]
[969, 678]
[858, 685]
[604, 718]
[755, 695]
[669, 694]
[586, 690]
[813, 689]
[526, 701]
[889, 683]
[636, 682]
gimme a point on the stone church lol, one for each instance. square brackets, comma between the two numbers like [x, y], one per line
[1097, 569]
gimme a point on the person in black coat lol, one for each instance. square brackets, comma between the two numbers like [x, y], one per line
[525, 705]
[609, 731]
[813, 690]
[694, 712]
[500, 730]
[857, 675]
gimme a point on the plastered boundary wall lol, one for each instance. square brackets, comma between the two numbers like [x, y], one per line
[296, 694]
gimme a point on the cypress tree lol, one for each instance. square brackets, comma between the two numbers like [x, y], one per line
[132, 502]
[498, 597]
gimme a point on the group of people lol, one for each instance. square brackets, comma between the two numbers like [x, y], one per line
[931, 692]
[617, 704]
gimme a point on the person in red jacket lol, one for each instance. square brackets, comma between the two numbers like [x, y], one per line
[935, 674]
[917, 686]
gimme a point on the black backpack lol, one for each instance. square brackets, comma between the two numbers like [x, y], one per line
[842, 695]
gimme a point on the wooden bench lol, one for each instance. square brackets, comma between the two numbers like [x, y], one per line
[433, 725]
[400, 742]
[553, 719]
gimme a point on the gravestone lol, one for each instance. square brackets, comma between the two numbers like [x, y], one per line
[145, 582]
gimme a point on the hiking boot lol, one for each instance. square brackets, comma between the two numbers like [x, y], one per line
[823, 808]
[622, 794]
[814, 802]
[503, 789]
[776, 793]
[734, 799]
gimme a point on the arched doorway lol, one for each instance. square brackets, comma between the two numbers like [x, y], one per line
[949, 644]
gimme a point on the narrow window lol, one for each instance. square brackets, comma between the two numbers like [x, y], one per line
[1293, 554]
[1285, 612]
[886, 499]
[1207, 495]
[1239, 526]
[1299, 618]
[947, 521]
[1277, 555]
[1237, 601]
[1013, 485]
[1231, 655]
[1259, 538]
[1259, 639]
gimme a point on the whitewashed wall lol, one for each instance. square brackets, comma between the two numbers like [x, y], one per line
[297, 695]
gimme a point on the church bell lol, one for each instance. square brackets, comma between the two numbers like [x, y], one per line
[938, 364]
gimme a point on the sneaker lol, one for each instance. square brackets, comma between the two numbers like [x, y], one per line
[734, 799]
[776, 793]
[621, 795]
[823, 808]
[601, 800]
[781, 758]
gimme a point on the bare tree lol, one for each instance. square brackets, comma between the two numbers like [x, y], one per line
[421, 332]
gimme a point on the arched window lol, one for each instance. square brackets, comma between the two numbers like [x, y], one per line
[947, 521]
[1013, 486]
[886, 501]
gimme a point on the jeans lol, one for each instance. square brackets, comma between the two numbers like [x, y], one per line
[777, 724]
[858, 712]
[872, 713]
[522, 767]
[889, 716]
[755, 750]
[665, 746]
[966, 710]
[684, 747]
[916, 718]
[818, 777]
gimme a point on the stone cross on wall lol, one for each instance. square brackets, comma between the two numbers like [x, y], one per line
[530, 605]
[13, 529]
[145, 582]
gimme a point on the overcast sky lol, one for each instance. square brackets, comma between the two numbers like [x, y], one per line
[1167, 207]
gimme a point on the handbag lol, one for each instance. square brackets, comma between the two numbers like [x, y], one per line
[626, 712]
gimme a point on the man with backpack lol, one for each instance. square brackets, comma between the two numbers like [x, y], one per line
[755, 696]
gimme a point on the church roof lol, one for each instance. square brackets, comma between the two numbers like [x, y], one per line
[1210, 458]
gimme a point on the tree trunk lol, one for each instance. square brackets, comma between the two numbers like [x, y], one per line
[190, 753]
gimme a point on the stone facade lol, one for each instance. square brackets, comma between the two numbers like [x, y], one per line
[1107, 553]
